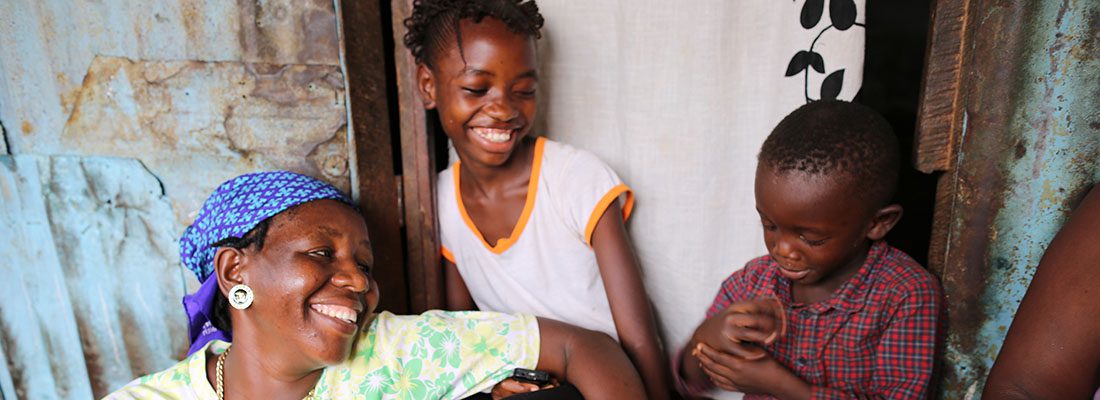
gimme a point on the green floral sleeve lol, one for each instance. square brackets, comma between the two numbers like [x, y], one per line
[435, 355]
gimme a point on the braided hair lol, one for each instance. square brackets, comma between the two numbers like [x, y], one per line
[434, 22]
[845, 141]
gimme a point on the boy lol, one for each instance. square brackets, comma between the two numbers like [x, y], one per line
[832, 311]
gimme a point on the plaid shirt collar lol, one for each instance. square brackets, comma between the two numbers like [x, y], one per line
[850, 296]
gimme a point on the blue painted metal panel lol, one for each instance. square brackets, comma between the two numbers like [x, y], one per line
[1029, 150]
[37, 324]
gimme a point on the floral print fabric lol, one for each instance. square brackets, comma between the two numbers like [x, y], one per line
[435, 355]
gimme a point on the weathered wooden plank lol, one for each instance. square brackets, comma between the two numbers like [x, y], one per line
[940, 113]
[365, 61]
[418, 177]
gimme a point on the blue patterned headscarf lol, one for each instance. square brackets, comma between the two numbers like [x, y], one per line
[235, 208]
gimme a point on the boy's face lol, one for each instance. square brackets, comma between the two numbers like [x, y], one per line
[486, 99]
[817, 229]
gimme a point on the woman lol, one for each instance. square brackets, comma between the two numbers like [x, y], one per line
[285, 264]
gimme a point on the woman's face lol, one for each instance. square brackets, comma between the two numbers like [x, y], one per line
[312, 283]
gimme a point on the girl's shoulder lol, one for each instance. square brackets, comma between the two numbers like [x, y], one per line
[564, 161]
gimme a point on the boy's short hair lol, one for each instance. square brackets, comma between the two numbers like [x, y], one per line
[845, 141]
[434, 23]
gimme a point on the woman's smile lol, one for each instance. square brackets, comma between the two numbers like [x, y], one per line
[343, 318]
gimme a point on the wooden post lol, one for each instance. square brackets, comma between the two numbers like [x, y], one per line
[418, 176]
[365, 66]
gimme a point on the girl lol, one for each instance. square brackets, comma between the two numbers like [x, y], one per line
[527, 224]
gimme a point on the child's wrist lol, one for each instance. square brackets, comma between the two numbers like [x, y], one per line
[689, 388]
[791, 387]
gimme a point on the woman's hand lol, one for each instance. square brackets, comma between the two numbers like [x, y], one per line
[512, 387]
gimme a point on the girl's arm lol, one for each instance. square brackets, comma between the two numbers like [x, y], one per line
[458, 296]
[630, 307]
[590, 360]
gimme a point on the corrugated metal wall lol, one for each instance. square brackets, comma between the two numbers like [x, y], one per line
[1026, 150]
[119, 117]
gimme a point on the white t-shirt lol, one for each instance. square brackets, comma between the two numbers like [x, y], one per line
[546, 266]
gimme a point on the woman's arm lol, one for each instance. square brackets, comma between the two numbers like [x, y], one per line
[630, 307]
[1052, 350]
[458, 296]
[590, 360]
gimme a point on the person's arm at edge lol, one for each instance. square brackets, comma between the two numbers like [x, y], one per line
[458, 295]
[590, 360]
[630, 306]
[1052, 350]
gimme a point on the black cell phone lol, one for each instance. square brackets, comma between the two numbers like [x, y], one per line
[531, 376]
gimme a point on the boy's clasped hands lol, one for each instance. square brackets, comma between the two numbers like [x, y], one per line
[731, 346]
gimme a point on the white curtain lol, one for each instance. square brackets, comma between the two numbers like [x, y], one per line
[677, 96]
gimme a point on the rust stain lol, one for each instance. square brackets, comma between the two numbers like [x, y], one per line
[192, 19]
[27, 127]
[320, 30]
[291, 84]
[283, 31]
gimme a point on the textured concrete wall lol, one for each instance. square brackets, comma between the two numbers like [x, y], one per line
[121, 117]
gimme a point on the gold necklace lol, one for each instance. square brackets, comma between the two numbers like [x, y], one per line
[218, 375]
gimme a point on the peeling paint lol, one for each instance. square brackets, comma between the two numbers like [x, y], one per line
[55, 41]
[197, 123]
[4, 140]
[1025, 162]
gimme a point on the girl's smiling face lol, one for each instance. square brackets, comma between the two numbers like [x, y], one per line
[485, 94]
[311, 281]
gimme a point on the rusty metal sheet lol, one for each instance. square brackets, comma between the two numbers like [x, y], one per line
[38, 329]
[1029, 149]
[3, 140]
[95, 299]
[49, 44]
[111, 220]
[196, 124]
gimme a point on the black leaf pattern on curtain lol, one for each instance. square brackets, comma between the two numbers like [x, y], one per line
[802, 59]
[842, 13]
[830, 87]
[842, 16]
[811, 13]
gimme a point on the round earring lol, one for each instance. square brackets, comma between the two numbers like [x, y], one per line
[240, 296]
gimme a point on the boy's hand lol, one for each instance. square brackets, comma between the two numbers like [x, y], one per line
[763, 375]
[744, 328]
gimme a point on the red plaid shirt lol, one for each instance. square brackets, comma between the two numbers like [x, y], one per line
[874, 338]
